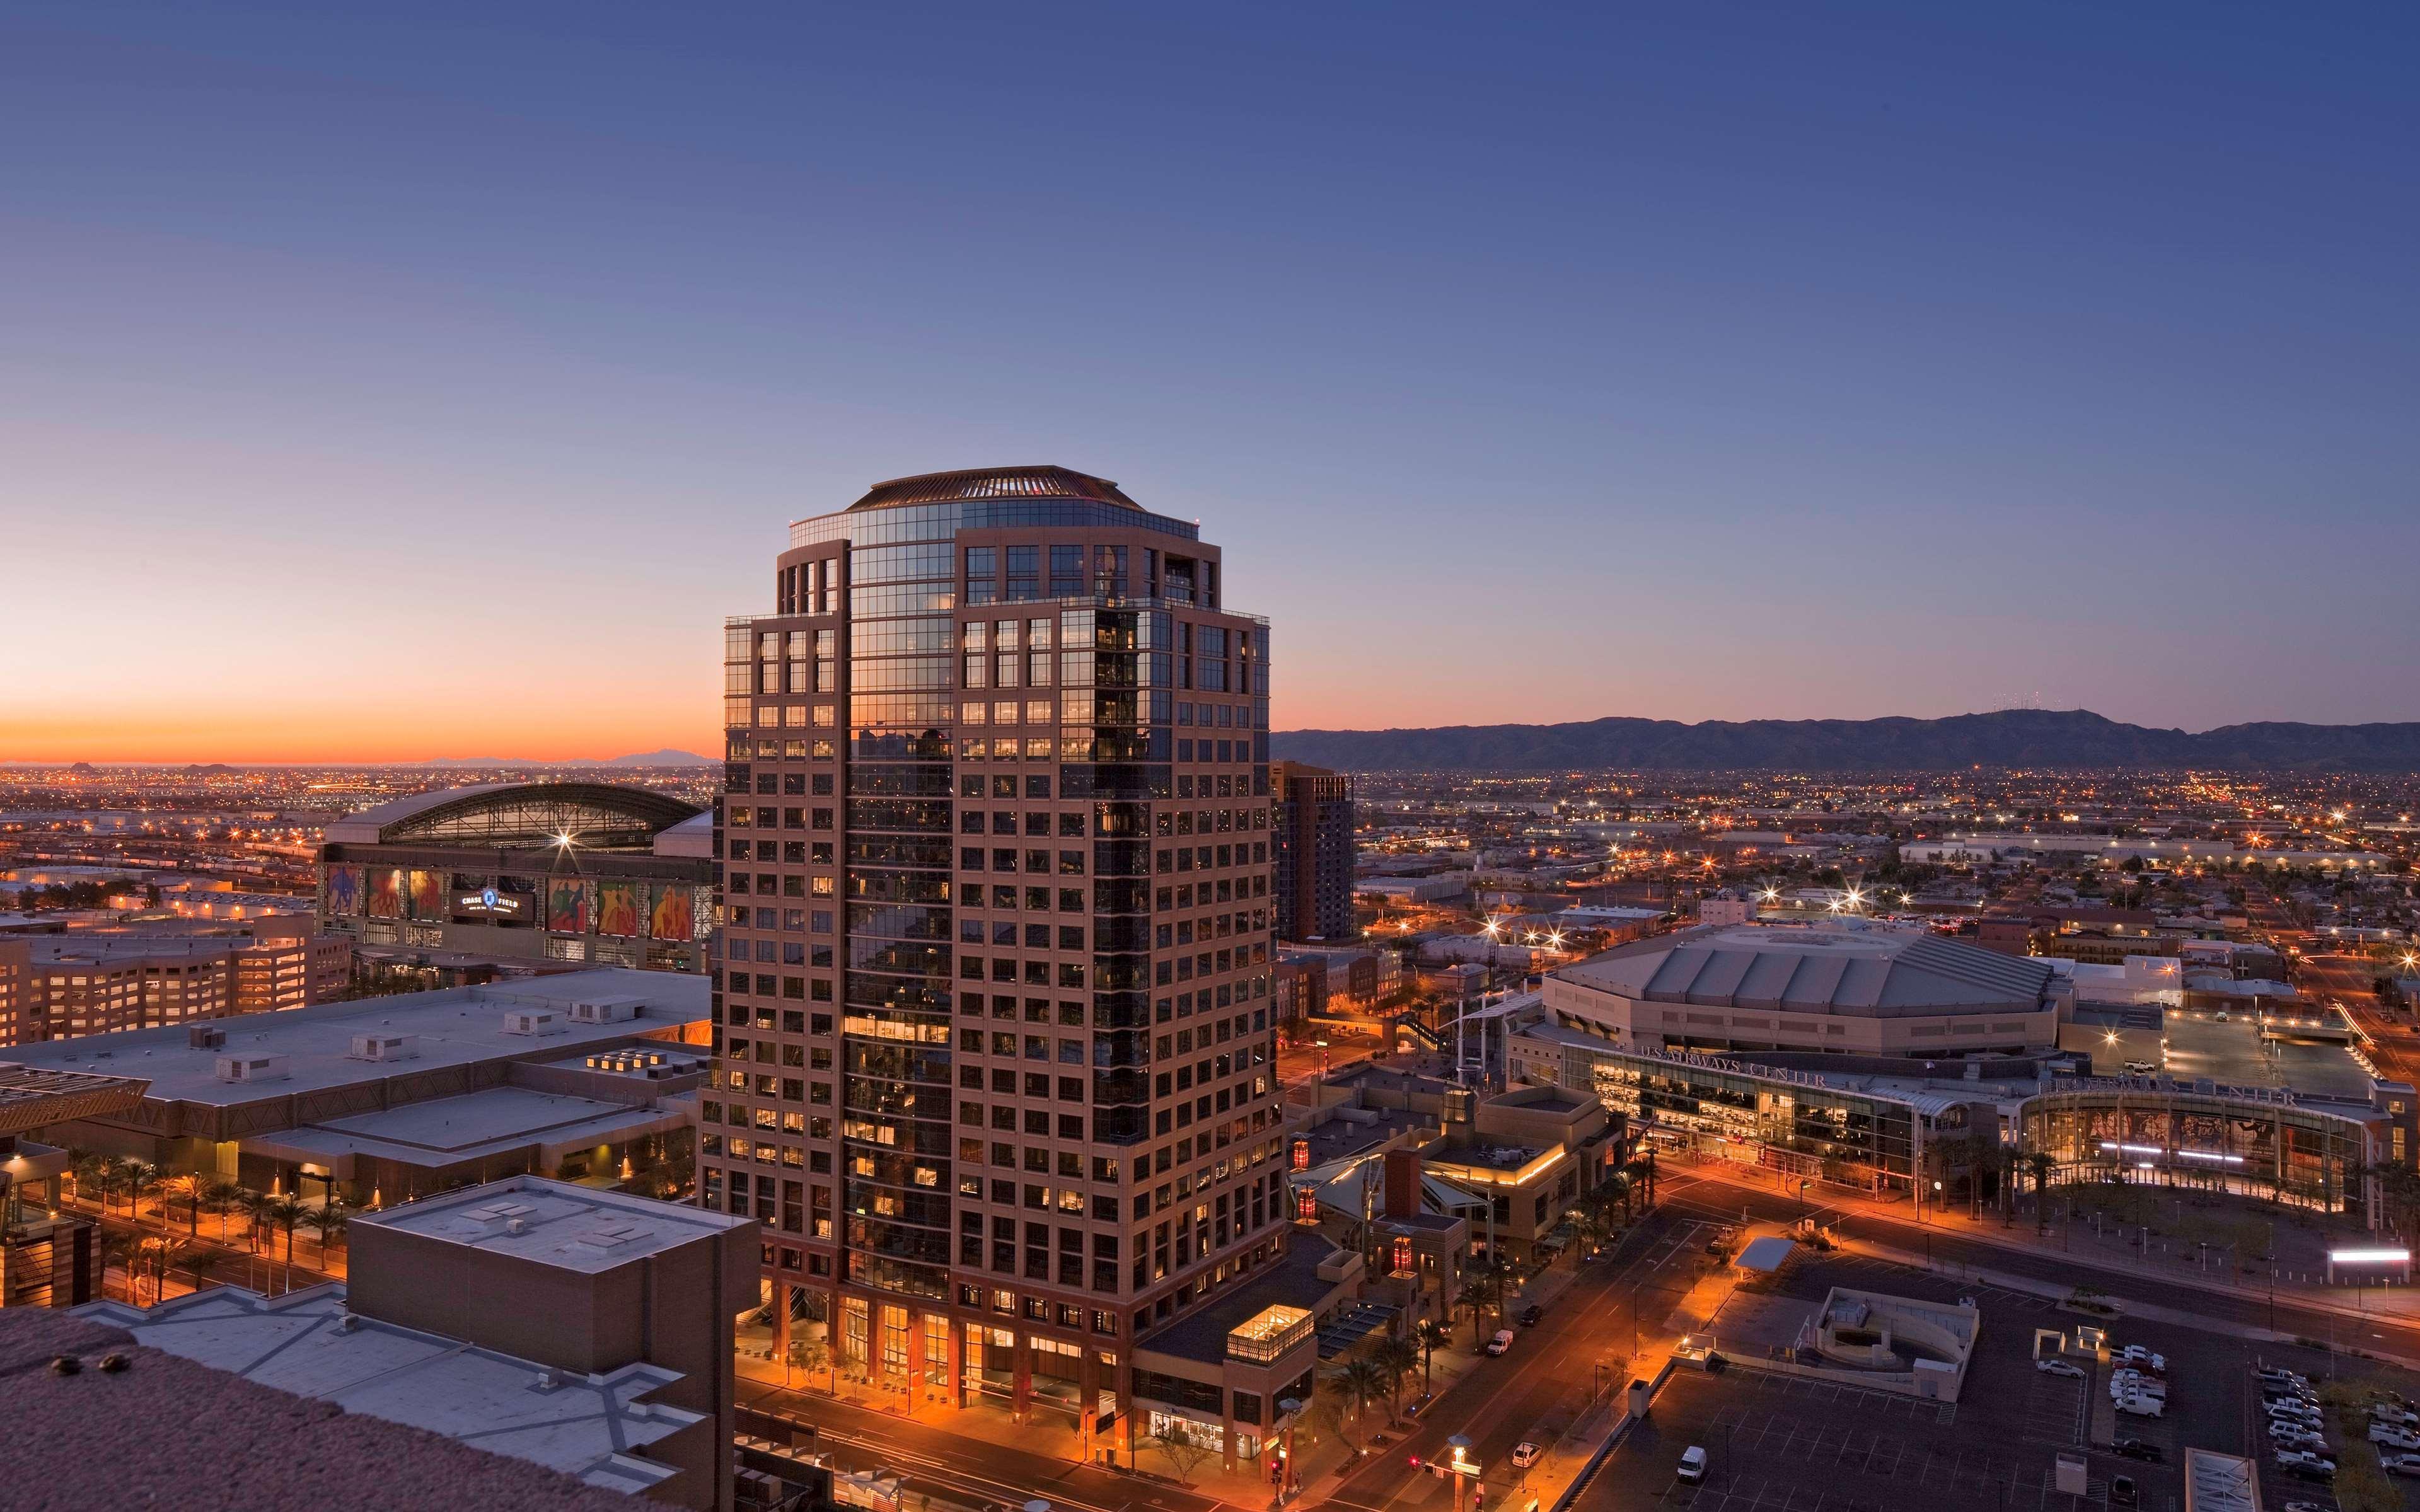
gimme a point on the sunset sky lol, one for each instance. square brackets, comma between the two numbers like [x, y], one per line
[396, 382]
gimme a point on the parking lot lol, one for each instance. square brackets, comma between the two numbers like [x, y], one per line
[1781, 1443]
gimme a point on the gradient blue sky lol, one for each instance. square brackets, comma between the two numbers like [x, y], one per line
[411, 380]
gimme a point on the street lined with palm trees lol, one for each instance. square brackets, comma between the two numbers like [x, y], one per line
[203, 1229]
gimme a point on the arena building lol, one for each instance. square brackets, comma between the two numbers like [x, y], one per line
[1841, 988]
[580, 873]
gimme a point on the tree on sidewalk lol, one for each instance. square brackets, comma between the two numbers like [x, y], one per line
[1433, 1336]
[1184, 1455]
[1397, 1356]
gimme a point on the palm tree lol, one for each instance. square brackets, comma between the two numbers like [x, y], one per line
[200, 1261]
[1619, 1185]
[1483, 1287]
[286, 1214]
[220, 1197]
[122, 1252]
[1433, 1335]
[140, 1180]
[330, 1218]
[188, 1186]
[1357, 1381]
[166, 1253]
[1397, 1356]
[93, 1177]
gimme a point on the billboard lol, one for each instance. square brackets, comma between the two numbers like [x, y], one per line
[568, 906]
[619, 909]
[673, 918]
[386, 892]
[340, 891]
[511, 907]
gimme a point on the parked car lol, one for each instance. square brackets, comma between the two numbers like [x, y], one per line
[2143, 1449]
[2135, 1354]
[2137, 1385]
[2277, 1372]
[1501, 1342]
[2139, 1405]
[2389, 1412]
[2306, 1442]
[2060, 1368]
[2400, 1465]
[1525, 1454]
[1693, 1464]
[2393, 1436]
[1530, 1315]
[2295, 1414]
[2308, 1467]
[2121, 1491]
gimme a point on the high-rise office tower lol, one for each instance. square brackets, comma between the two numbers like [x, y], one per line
[997, 1070]
[1311, 838]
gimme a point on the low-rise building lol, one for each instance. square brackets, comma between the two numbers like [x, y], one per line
[586, 1332]
[584, 1074]
[64, 986]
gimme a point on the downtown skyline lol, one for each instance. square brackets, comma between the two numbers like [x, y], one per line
[1740, 366]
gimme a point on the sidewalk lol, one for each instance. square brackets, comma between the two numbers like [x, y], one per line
[1321, 1455]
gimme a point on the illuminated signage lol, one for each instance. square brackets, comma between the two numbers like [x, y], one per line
[490, 903]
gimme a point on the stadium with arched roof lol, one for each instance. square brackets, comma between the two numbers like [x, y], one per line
[459, 884]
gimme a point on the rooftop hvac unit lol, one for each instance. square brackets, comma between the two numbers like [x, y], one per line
[253, 1069]
[532, 1021]
[205, 1037]
[384, 1047]
[607, 1010]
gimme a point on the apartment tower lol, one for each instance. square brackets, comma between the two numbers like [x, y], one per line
[1312, 842]
[996, 1067]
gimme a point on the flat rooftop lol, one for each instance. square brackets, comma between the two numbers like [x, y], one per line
[554, 1223]
[300, 1344]
[453, 1026]
[232, 1446]
[1292, 1281]
[2234, 1053]
[450, 1131]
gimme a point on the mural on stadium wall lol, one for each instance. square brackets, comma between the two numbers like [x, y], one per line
[386, 892]
[620, 909]
[568, 905]
[340, 891]
[428, 896]
[673, 917]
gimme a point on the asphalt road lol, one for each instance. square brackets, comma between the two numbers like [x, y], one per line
[1708, 1196]
[1504, 1401]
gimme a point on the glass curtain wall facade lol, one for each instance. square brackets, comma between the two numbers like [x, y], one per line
[997, 1065]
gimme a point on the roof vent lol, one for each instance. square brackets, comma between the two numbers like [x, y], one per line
[205, 1037]
[253, 1068]
[530, 1021]
[384, 1047]
[607, 1010]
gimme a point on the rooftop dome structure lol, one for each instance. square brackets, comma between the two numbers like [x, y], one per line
[993, 483]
